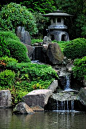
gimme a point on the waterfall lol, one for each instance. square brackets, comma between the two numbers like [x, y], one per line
[72, 105]
[67, 86]
[57, 106]
[65, 105]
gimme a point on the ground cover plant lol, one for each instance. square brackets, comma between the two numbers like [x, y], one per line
[27, 77]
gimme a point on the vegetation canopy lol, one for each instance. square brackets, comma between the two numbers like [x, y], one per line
[13, 15]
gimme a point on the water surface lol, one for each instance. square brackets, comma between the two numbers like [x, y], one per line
[43, 120]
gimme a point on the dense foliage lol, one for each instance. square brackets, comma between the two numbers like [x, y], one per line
[12, 47]
[13, 15]
[35, 5]
[79, 69]
[76, 25]
[76, 48]
[7, 78]
[3, 47]
[28, 76]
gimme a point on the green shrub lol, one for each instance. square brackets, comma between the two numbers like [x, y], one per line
[18, 50]
[76, 48]
[79, 69]
[6, 61]
[9, 34]
[11, 46]
[4, 51]
[7, 78]
[13, 15]
[36, 41]
[36, 71]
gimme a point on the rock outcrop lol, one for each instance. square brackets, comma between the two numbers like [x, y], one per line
[5, 99]
[46, 40]
[54, 53]
[23, 108]
[30, 50]
[37, 97]
[23, 35]
[82, 96]
[53, 86]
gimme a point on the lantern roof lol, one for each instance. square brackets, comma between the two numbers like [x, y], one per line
[58, 13]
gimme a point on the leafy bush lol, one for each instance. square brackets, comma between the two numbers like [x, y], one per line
[42, 23]
[79, 69]
[9, 34]
[76, 48]
[36, 71]
[18, 50]
[11, 46]
[3, 48]
[13, 15]
[7, 78]
[6, 61]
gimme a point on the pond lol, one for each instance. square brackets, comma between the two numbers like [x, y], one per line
[42, 120]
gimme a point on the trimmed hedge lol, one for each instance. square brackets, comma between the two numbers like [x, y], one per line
[4, 48]
[18, 50]
[11, 46]
[76, 48]
[79, 69]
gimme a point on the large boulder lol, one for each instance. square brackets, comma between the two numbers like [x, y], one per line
[30, 50]
[53, 86]
[82, 96]
[54, 53]
[5, 99]
[46, 40]
[37, 97]
[23, 35]
[23, 108]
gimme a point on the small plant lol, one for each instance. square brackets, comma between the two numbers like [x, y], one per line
[36, 41]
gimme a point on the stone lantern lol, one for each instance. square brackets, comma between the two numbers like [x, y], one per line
[56, 31]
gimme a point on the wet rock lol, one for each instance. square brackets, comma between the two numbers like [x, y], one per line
[23, 108]
[30, 50]
[69, 67]
[46, 40]
[84, 82]
[37, 109]
[54, 53]
[5, 99]
[53, 86]
[82, 96]
[23, 35]
[37, 97]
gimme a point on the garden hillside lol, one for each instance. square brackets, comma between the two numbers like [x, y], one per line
[17, 73]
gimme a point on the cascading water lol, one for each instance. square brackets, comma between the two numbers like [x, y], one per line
[67, 104]
[67, 86]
